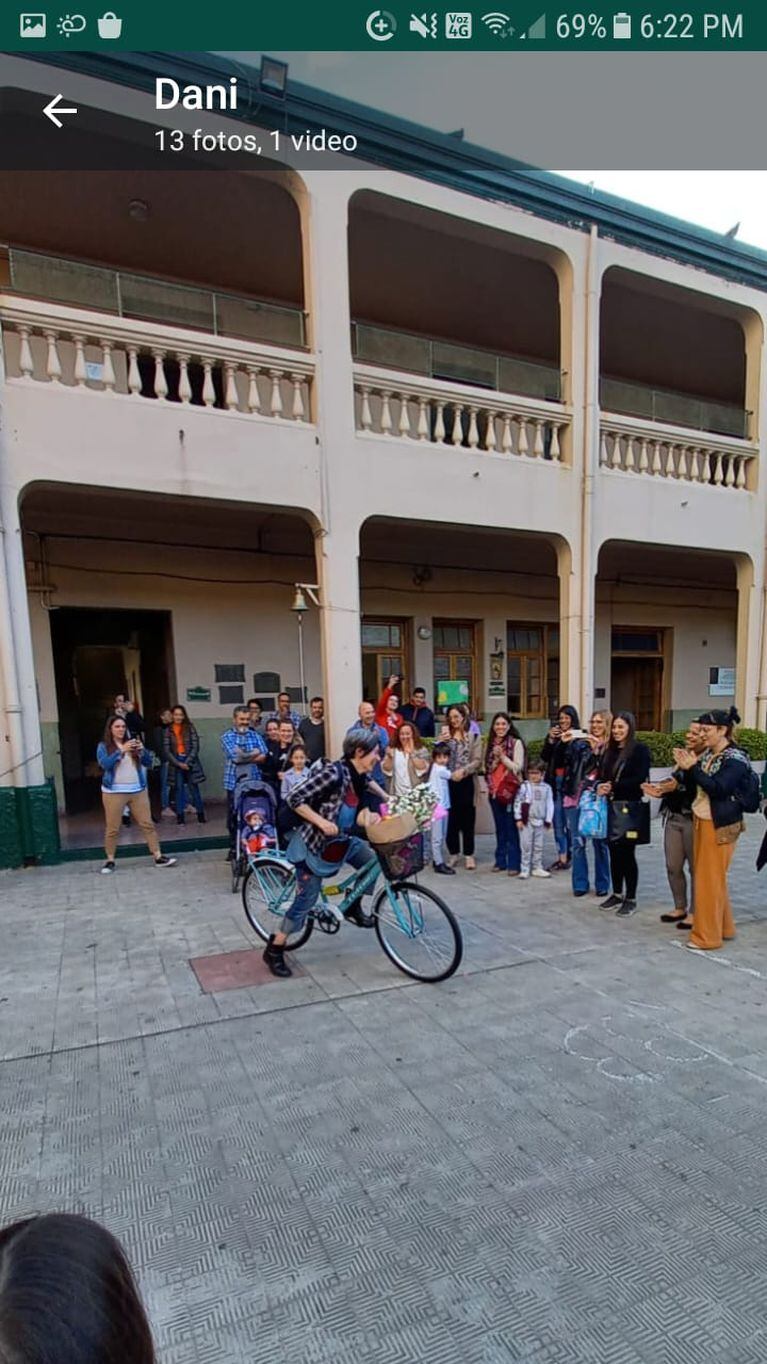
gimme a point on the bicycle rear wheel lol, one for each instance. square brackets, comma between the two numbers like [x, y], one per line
[417, 931]
[265, 904]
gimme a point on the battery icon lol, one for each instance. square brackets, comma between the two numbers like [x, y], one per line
[622, 25]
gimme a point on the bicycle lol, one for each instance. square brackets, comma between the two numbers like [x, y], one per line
[412, 924]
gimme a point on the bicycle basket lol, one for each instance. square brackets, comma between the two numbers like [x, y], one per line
[403, 859]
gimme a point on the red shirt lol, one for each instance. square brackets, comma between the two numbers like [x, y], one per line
[389, 720]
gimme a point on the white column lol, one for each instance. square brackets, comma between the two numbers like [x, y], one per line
[345, 502]
[19, 690]
[748, 640]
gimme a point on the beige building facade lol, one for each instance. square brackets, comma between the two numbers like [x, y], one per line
[514, 449]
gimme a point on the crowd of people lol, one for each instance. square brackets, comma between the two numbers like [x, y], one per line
[591, 787]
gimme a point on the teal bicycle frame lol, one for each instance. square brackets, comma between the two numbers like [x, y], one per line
[359, 883]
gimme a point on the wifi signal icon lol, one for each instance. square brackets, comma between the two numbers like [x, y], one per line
[496, 21]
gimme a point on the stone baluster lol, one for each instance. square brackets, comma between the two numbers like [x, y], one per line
[740, 481]
[208, 387]
[729, 478]
[386, 421]
[695, 464]
[439, 424]
[231, 396]
[423, 419]
[184, 383]
[522, 444]
[556, 449]
[630, 461]
[53, 363]
[705, 476]
[472, 438]
[656, 467]
[644, 462]
[604, 454]
[26, 363]
[616, 461]
[681, 471]
[489, 444]
[670, 461]
[718, 470]
[108, 376]
[456, 436]
[254, 397]
[81, 373]
[507, 443]
[298, 397]
[160, 380]
[275, 401]
[134, 373]
[404, 417]
[538, 439]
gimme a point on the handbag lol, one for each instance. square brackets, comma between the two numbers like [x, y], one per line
[629, 819]
[503, 785]
[592, 814]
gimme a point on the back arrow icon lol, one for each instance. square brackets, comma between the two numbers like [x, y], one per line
[54, 108]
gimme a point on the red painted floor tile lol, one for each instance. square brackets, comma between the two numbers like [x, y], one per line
[235, 971]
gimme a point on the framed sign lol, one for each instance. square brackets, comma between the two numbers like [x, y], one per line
[452, 693]
[721, 681]
[198, 693]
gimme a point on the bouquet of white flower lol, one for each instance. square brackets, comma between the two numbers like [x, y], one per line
[421, 803]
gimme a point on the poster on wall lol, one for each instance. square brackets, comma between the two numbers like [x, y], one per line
[198, 693]
[496, 685]
[721, 681]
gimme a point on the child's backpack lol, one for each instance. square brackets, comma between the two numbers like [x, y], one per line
[592, 814]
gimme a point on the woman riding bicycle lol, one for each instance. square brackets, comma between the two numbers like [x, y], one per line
[327, 803]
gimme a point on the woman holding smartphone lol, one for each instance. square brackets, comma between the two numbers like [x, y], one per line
[124, 763]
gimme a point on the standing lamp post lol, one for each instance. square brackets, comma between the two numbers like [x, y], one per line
[300, 607]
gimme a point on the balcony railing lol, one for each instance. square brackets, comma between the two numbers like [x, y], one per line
[413, 354]
[77, 350]
[674, 409]
[653, 451]
[34, 275]
[398, 406]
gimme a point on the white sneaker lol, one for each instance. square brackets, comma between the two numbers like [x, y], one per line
[525, 875]
[540, 872]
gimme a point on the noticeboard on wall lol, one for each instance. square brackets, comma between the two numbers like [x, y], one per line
[721, 681]
[452, 693]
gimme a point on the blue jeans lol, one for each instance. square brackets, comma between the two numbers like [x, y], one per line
[561, 828]
[580, 858]
[182, 786]
[507, 851]
[164, 786]
[308, 881]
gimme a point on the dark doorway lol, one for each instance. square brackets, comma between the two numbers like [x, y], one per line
[96, 655]
[637, 685]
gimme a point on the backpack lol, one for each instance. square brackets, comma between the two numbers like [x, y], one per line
[749, 792]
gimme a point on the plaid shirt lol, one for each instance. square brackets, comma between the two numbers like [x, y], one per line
[249, 742]
[291, 715]
[324, 792]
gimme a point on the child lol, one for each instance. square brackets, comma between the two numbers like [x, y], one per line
[439, 781]
[295, 772]
[533, 812]
[257, 834]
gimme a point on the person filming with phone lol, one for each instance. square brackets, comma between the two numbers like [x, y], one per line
[124, 763]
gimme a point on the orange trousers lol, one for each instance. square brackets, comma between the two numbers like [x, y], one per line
[711, 862]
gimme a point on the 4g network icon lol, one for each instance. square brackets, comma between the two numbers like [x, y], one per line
[458, 24]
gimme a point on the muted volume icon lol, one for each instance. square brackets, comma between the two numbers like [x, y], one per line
[424, 24]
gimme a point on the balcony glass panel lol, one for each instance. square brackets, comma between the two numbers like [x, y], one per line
[394, 350]
[63, 281]
[157, 301]
[675, 409]
[453, 363]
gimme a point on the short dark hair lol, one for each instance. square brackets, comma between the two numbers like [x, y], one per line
[357, 739]
[419, 691]
[440, 750]
[66, 1289]
[286, 694]
[254, 701]
[321, 700]
[536, 766]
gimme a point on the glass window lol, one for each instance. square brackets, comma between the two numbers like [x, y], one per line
[532, 662]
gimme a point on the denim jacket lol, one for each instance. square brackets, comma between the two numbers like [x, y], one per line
[108, 762]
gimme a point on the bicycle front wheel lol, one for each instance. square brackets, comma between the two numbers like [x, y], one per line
[267, 894]
[417, 931]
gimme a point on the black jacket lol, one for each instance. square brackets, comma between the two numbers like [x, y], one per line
[576, 757]
[422, 717]
[630, 773]
[721, 787]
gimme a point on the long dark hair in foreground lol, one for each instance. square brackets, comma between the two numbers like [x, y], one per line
[68, 1296]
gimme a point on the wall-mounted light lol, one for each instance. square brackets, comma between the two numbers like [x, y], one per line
[138, 210]
[421, 574]
[273, 77]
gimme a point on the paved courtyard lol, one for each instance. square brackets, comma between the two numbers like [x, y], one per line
[559, 1155]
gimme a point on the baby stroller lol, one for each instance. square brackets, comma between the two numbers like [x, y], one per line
[255, 813]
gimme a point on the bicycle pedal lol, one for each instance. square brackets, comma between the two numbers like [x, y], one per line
[331, 890]
[328, 923]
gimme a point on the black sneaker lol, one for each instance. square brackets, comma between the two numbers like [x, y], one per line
[164, 861]
[612, 902]
[628, 907]
[442, 869]
[107, 869]
[275, 960]
[355, 914]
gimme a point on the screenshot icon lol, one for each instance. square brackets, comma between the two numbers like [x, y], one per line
[32, 25]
